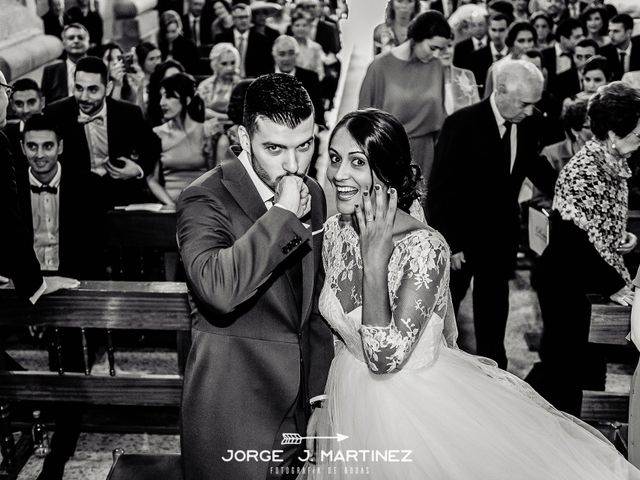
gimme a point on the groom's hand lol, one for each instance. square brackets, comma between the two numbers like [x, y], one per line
[293, 195]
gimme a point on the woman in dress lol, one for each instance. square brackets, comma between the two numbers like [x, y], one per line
[310, 55]
[174, 45]
[393, 31]
[185, 142]
[149, 57]
[585, 252]
[398, 389]
[408, 82]
[595, 21]
[215, 90]
[162, 71]
[224, 20]
[460, 88]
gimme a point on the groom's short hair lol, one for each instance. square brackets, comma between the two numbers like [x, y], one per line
[278, 97]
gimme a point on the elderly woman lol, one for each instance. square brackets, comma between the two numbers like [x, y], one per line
[215, 91]
[393, 31]
[587, 242]
[174, 45]
[408, 82]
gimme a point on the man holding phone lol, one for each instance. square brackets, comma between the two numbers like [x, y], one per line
[105, 138]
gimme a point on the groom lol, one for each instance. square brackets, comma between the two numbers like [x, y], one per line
[250, 236]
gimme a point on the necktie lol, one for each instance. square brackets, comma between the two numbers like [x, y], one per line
[499, 56]
[622, 57]
[506, 144]
[242, 56]
[84, 119]
[44, 188]
[195, 32]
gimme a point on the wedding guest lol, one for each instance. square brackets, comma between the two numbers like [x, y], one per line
[496, 49]
[393, 31]
[460, 88]
[224, 20]
[544, 30]
[260, 11]
[521, 10]
[57, 78]
[310, 54]
[215, 90]
[126, 80]
[55, 19]
[623, 52]
[558, 59]
[227, 146]
[595, 21]
[464, 49]
[408, 82]
[88, 16]
[186, 148]
[197, 25]
[173, 45]
[595, 74]
[585, 253]
[162, 71]
[149, 57]
[569, 83]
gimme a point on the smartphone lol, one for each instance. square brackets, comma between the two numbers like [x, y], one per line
[116, 162]
[128, 60]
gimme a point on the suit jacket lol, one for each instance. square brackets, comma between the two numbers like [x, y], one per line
[128, 135]
[183, 51]
[613, 58]
[17, 259]
[81, 246]
[473, 198]
[20, 164]
[255, 348]
[328, 36]
[567, 84]
[311, 83]
[54, 81]
[481, 60]
[462, 54]
[205, 29]
[258, 60]
[52, 24]
[92, 22]
[549, 62]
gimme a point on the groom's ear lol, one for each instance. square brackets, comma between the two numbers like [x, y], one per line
[245, 139]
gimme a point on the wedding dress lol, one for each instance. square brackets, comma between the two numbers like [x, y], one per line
[432, 411]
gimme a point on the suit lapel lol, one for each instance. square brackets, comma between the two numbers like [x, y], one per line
[239, 185]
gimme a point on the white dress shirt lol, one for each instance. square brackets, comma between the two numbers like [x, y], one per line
[241, 41]
[266, 194]
[46, 226]
[500, 120]
[71, 73]
[494, 52]
[563, 61]
[627, 58]
[478, 44]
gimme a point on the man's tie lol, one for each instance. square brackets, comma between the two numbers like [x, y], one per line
[242, 56]
[506, 144]
[44, 188]
[499, 56]
[195, 32]
[84, 119]
[622, 57]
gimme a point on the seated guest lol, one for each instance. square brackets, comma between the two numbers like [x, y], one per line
[521, 10]
[149, 57]
[173, 45]
[544, 29]
[197, 26]
[26, 100]
[90, 18]
[623, 53]
[460, 88]
[224, 20]
[595, 74]
[55, 19]
[259, 15]
[478, 39]
[215, 91]
[558, 59]
[310, 54]
[162, 71]
[393, 31]
[595, 21]
[569, 83]
[285, 51]
[105, 137]
[585, 251]
[57, 78]
[557, 12]
[255, 56]
[126, 81]
[229, 140]
[186, 149]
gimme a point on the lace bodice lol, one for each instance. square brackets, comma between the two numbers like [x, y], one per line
[418, 280]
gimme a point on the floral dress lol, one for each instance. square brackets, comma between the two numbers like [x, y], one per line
[405, 403]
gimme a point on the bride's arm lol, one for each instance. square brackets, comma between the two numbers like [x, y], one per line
[390, 334]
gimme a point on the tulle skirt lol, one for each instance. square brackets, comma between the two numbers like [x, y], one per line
[458, 418]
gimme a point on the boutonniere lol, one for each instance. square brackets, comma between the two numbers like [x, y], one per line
[465, 85]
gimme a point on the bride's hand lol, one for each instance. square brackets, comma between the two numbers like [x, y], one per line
[375, 224]
[312, 432]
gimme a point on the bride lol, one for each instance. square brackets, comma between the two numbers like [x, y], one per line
[412, 405]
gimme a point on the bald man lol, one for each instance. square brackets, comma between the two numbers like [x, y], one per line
[285, 56]
[482, 156]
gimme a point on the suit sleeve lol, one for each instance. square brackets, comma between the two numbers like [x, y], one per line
[17, 259]
[541, 173]
[149, 146]
[222, 271]
[45, 84]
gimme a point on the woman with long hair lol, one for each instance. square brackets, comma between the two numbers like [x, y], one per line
[173, 45]
[393, 31]
[596, 23]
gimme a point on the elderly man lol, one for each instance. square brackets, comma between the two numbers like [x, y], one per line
[285, 54]
[483, 154]
[57, 78]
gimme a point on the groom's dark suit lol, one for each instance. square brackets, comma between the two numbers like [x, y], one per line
[260, 348]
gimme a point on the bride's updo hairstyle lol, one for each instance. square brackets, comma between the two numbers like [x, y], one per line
[386, 146]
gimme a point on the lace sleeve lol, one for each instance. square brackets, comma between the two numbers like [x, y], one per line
[421, 292]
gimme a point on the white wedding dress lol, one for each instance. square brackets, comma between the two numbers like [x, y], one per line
[448, 414]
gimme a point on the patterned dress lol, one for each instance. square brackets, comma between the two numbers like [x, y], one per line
[413, 406]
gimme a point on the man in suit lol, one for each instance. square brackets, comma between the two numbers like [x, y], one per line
[196, 26]
[557, 11]
[91, 19]
[478, 39]
[106, 139]
[55, 19]
[57, 78]
[496, 49]
[250, 237]
[558, 59]
[623, 53]
[285, 52]
[255, 54]
[482, 156]
[569, 83]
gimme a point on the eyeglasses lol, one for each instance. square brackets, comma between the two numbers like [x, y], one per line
[8, 87]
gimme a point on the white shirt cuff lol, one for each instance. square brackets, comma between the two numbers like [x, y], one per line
[318, 398]
[140, 172]
[34, 298]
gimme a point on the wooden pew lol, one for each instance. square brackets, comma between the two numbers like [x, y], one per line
[96, 305]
